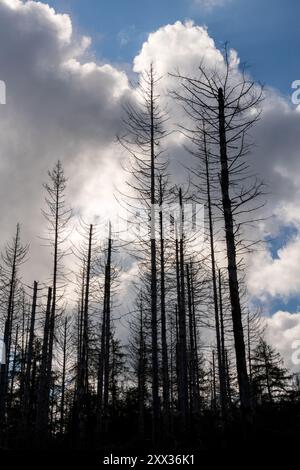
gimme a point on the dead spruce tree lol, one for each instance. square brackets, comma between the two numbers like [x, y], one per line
[144, 124]
[42, 392]
[105, 340]
[205, 187]
[64, 360]
[26, 380]
[227, 102]
[182, 339]
[13, 258]
[86, 255]
[138, 359]
[165, 251]
[57, 215]
[95, 289]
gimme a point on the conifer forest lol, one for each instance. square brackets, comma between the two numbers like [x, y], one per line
[140, 333]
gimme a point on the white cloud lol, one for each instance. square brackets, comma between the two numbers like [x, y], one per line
[276, 277]
[59, 106]
[178, 45]
[283, 333]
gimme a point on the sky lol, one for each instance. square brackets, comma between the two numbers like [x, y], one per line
[67, 66]
[265, 32]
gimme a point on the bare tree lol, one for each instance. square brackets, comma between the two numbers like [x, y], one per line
[13, 257]
[144, 132]
[57, 215]
[227, 102]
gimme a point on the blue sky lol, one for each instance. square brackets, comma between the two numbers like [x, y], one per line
[265, 33]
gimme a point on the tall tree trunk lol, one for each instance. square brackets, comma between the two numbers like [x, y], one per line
[221, 370]
[249, 348]
[228, 379]
[26, 388]
[13, 371]
[239, 343]
[155, 383]
[84, 379]
[4, 368]
[43, 385]
[82, 411]
[141, 374]
[80, 327]
[107, 326]
[164, 345]
[182, 363]
[103, 366]
[214, 388]
[222, 320]
[54, 288]
[23, 340]
[63, 378]
[194, 321]
[192, 362]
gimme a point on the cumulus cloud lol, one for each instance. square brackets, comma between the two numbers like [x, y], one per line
[179, 48]
[178, 45]
[283, 333]
[59, 106]
[276, 160]
[278, 276]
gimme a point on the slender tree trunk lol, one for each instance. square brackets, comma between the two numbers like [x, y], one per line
[155, 382]
[164, 345]
[228, 379]
[192, 368]
[82, 411]
[267, 369]
[177, 337]
[13, 371]
[141, 375]
[26, 388]
[214, 388]
[85, 333]
[249, 348]
[183, 379]
[4, 368]
[101, 367]
[54, 288]
[172, 362]
[43, 386]
[107, 327]
[63, 378]
[80, 328]
[242, 373]
[23, 341]
[194, 321]
[222, 320]
[221, 371]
